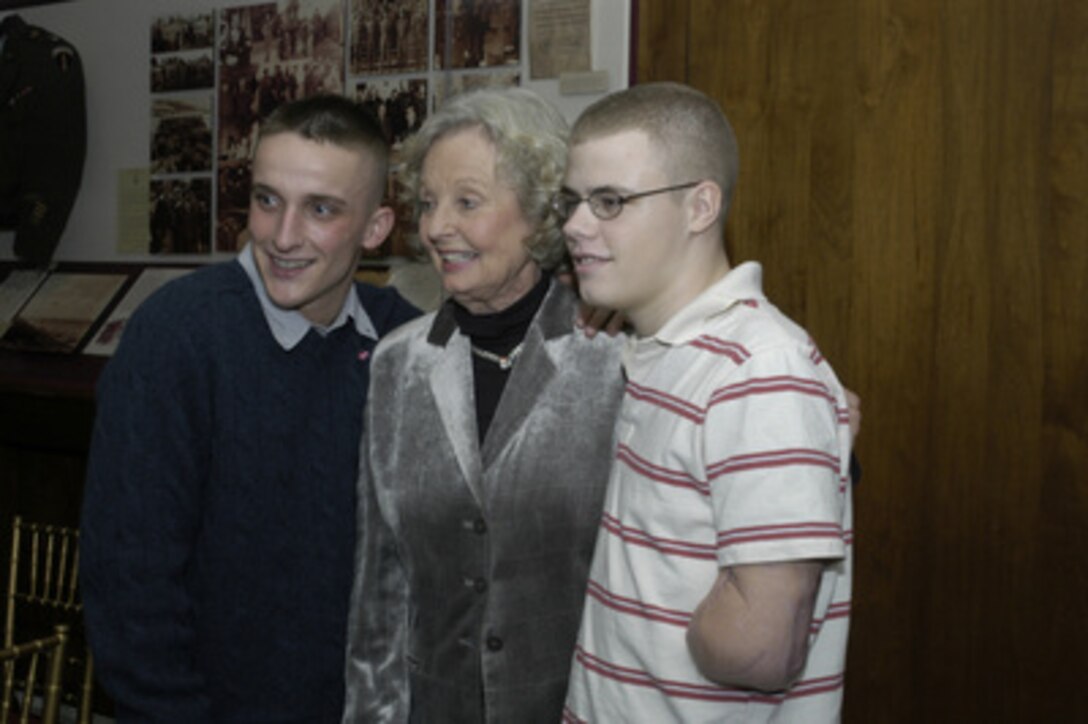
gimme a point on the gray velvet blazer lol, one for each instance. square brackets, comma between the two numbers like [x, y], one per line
[471, 563]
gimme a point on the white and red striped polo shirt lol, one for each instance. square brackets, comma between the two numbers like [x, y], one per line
[733, 447]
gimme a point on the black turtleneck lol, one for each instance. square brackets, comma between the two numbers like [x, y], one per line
[498, 333]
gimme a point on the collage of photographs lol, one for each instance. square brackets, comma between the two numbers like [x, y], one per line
[215, 75]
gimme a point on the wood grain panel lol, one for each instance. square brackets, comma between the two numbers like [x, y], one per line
[996, 67]
[1061, 584]
[915, 181]
[662, 39]
[895, 206]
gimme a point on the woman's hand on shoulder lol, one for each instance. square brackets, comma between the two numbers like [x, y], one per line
[592, 320]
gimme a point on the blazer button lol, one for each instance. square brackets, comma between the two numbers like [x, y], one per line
[494, 643]
[480, 584]
[480, 526]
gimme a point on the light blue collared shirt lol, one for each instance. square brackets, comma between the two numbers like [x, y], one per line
[288, 326]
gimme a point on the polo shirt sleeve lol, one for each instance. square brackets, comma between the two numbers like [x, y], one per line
[776, 460]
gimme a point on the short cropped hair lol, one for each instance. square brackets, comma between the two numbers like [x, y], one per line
[530, 140]
[336, 120]
[694, 136]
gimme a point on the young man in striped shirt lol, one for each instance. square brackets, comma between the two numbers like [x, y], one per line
[720, 587]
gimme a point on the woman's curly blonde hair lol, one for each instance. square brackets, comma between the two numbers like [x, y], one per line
[530, 139]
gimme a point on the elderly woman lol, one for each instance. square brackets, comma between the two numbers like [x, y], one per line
[487, 443]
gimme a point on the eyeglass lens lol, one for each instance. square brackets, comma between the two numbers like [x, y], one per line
[604, 203]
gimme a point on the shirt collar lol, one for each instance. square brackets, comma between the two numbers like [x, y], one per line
[289, 326]
[743, 283]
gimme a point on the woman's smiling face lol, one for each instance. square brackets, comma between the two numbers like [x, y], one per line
[472, 224]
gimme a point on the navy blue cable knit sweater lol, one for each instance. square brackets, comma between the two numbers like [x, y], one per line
[219, 511]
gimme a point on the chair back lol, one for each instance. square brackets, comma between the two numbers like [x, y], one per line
[43, 592]
[23, 694]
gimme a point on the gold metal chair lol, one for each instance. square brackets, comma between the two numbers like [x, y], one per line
[22, 692]
[43, 585]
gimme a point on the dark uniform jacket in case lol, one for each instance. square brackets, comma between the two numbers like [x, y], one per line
[492, 546]
[43, 136]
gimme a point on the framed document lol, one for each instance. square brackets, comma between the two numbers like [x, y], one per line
[108, 336]
[62, 311]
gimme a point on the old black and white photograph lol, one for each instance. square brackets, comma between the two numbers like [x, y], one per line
[270, 54]
[185, 70]
[399, 105]
[477, 33]
[172, 33]
[388, 36]
[181, 134]
[232, 205]
[181, 216]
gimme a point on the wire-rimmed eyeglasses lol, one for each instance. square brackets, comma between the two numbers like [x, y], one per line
[604, 203]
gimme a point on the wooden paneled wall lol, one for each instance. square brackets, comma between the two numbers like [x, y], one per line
[915, 181]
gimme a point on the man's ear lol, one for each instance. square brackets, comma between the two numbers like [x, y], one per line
[706, 206]
[378, 228]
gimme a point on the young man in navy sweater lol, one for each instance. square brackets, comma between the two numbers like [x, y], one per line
[218, 520]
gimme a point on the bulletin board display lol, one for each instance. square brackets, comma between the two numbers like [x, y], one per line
[176, 90]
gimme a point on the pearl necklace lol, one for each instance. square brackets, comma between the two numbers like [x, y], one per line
[504, 362]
